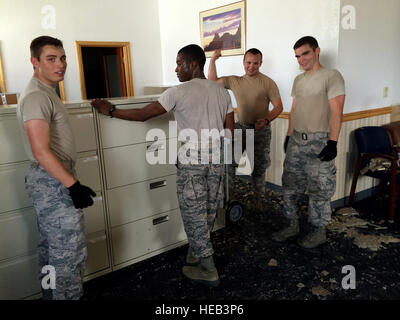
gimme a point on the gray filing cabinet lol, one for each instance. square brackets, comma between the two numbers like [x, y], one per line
[18, 229]
[135, 213]
[142, 203]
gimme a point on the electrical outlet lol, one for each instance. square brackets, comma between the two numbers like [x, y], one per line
[385, 91]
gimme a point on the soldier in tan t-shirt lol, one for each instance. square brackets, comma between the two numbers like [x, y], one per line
[253, 92]
[198, 104]
[56, 194]
[310, 145]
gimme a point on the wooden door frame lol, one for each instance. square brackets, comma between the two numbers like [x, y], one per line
[126, 48]
[62, 91]
[3, 88]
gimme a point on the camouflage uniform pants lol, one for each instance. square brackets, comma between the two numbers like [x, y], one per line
[61, 231]
[262, 142]
[304, 172]
[199, 188]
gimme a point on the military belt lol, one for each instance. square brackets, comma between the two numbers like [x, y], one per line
[310, 135]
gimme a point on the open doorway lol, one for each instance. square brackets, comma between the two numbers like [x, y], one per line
[104, 69]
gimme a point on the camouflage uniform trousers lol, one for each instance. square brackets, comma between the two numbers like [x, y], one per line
[199, 189]
[262, 144]
[304, 172]
[61, 233]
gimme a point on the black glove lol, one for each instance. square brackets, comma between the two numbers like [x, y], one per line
[286, 143]
[329, 152]
[81, 195]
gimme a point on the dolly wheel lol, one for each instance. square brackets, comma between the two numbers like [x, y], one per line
[234, 212]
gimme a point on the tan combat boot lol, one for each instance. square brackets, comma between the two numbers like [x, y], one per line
[313, 239]
[205, 272]
[190, 259]
[292, 230]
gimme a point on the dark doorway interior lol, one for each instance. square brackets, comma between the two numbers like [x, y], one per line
[103, 70]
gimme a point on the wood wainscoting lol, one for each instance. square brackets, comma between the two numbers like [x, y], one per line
[347, 150]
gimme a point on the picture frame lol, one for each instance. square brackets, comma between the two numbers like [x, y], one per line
[224, 28]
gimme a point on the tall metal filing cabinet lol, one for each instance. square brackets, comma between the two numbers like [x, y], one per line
[88, 170]
[18, 226]
[143, 212]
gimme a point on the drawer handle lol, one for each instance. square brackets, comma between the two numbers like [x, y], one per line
[94, 158]
[99, 198]
[155, 147]
[83, 116]
[160, 220]
[158, 184]
[97, 239]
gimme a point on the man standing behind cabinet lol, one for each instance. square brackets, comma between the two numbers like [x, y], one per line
[57, 195]
[198, 104]
[314, 127]
[253, 92]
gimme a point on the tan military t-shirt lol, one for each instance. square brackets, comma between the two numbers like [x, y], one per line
[312, 93]
[253, 95]
[198, 104]
[40, 101]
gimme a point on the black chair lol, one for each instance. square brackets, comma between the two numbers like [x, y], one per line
[373, 142]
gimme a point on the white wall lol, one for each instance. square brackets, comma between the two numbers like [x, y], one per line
[157, 29]
[369, 55]
[272, 26]
[133, 21]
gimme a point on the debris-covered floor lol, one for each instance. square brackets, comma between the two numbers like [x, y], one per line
[253, 267]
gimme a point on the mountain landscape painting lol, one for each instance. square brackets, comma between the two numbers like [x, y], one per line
[222, 28]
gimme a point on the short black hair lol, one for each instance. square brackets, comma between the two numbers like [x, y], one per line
[306, 40]
[38, 43]
[193, 52]
[253, 51]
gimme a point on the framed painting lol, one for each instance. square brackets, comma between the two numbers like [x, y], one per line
[224, 28]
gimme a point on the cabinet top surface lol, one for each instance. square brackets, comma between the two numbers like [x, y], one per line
[79, 104]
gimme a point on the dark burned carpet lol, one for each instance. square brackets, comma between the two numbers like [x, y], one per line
[253, 267]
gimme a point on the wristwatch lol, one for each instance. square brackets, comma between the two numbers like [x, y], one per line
[112, 109]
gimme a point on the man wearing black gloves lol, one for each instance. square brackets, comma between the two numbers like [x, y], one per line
[56, 194]
[311, 144]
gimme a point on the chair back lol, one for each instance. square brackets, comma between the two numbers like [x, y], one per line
[372, 139]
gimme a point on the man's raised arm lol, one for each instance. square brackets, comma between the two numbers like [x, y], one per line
[212, 69]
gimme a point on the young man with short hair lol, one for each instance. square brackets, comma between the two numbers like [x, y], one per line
[56, 194]
[253, 92]
[198, 104]
[311, 144]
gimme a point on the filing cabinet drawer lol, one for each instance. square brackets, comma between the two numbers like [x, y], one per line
[144, 236]
[94, 215]
[87, 170]
[18, 233]
[127, 165]
[118, 132]
[13, 195]
[19, 278]
[141, 200]
[97, 258]
[11, 143]
[83, 129]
